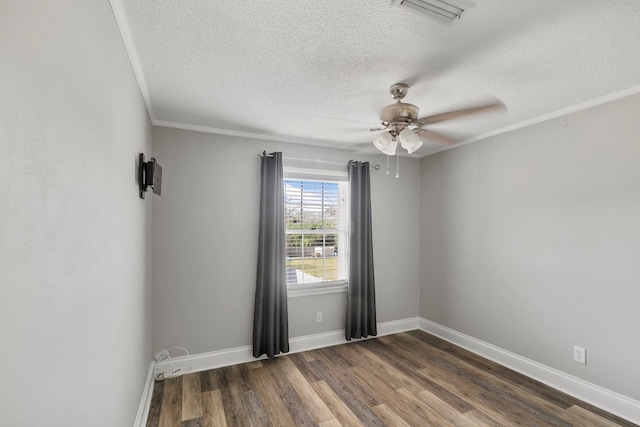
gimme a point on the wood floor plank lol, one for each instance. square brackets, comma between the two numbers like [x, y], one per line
[191, 397]
[443, 410]
[557, 397]
[403, 359]
[213, 410]
[194, 422]
[373, 388]
[344, 389]
[309, 356]
[527, 400]
[344, 376]
[606, 415]
[482, 419]
[431, 340]
[251, 402]
[397, 404]
[296, 408]
[459, 386]
[330, 423]
[307, 394]
[276, 372]
[231, 398]
[409, 364]
[275, 407]
[385, 339]
[341, 412]
[406, 379]
[501, 404]
[153, 418]
[171, 411]
[208, 380]
[337, 356]
[389, 372]
[374, 382]
[548, 393]
[422, 409]
[389, 417]
[591, 418]
[303, 366]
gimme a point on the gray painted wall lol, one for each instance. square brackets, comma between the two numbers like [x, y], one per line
[75, 248]
[205, 229]
[530, 241]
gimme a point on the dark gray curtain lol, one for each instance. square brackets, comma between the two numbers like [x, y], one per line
[270, 320]
[361, 294]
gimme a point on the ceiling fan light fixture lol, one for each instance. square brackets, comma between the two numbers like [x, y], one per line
[409, 140]
[386, 143]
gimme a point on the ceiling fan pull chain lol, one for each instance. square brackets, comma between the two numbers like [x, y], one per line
[388, 165]
[398, 164]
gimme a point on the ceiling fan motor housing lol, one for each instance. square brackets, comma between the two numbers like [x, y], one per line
[399, 113]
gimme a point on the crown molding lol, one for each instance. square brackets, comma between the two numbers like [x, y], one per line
[550, 116]
[252, 135]
[559, 113]
[132, 52]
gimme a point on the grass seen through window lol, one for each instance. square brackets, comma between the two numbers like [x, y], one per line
[322, 268]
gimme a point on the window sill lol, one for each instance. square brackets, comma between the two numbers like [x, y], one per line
[304, 291]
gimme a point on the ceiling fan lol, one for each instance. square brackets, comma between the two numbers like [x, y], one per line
[400, 122]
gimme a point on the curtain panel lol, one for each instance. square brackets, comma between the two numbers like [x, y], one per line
[270, 318]
[361, 295]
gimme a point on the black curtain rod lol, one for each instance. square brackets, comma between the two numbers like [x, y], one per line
[376, 167]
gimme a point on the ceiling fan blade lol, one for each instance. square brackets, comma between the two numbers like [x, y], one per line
[459, 113]
[434, 137]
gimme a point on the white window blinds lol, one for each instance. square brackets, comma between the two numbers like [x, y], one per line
[316, 223]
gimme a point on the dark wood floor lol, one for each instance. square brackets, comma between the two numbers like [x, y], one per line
[407, 379]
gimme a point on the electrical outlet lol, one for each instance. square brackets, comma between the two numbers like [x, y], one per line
[319, 317]
[164, 354]
[579, 355]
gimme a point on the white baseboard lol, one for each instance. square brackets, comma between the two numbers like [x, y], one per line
[237, 355]
[608, 400]
[145, 400]
[397, 326]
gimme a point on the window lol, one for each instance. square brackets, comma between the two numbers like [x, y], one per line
[316, 224]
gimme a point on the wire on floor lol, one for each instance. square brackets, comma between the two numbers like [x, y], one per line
[176, 370]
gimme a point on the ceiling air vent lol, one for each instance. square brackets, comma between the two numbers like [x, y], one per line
[440, 10]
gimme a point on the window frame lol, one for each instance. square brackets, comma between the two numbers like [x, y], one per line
[320, 175]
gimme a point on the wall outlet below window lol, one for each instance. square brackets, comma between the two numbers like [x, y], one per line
[319, 317]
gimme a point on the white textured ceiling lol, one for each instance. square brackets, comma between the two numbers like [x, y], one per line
[318, 71]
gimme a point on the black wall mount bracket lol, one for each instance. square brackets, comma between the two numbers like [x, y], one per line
[149, 175]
